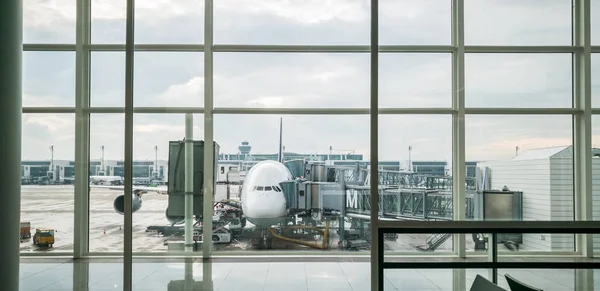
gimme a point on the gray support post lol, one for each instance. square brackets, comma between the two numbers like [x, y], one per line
[128, 169]
[82, 132]
[376, 277]
[189, 182]
[582, 123]
[207, 211]
[11, 23]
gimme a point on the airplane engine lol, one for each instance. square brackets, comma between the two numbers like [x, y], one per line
[119, 203]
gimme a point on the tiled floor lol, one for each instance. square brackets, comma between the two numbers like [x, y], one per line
[177, 275]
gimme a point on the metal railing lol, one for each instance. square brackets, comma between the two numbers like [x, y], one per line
[490, 227]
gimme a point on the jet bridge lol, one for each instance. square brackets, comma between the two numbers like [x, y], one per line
[325, 192]
[176, 210]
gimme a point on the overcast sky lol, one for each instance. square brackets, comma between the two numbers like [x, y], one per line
[307, 80]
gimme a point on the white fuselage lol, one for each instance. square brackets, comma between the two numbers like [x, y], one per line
[105, 180]
[263, 201]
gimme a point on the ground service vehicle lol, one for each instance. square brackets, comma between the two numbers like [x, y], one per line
[43, 237]
[25, 230]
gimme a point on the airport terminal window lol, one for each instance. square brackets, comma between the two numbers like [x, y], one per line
[505, 23]
[46, 192]
[516, 120]
[46, 22]
[521, 155]
[397, 17]
[290, 23]
[168, 79]
[48, 78]
[107, 79]
[291, 80]
[401, 77]
[518, 80]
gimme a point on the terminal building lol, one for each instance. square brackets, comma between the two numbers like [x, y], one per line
[545, 177]
[244, 159]
[38, 171]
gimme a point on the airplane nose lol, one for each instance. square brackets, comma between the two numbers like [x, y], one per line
[266, 205]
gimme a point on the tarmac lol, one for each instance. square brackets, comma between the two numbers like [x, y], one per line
[51, 206]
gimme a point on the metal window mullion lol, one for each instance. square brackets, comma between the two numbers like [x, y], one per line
[377, 275]
[128, 169]
[82, 124]
[458, 122]
[209, 153]
[582, 122]
[458, 136]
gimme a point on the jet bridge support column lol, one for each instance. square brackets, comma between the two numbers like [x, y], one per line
[11, 22]
[189, 181]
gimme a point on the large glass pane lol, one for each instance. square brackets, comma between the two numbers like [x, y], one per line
[595, 21]
[172, 22]
[107, 79]
[596, 175]
[595, 76]
[545, 279]
[156, 158]
[523, 167]
[414, 22]
[415, 80]
[173, 79]
[48, 79]
[291, 80]
[415, 177]
[518, 80]
[108, 19]
[49, 21]
[291, 22]
[47, 175]
[514, 22]
[319, 152]
[107, 145]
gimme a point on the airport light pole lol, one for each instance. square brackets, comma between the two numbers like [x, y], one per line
[102, 160]
[52, 161]
[409, 160]
[51, 157]
[156, 161]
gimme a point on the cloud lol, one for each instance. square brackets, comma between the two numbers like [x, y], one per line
[510, 22]
[190, 93]
[415, 80]
[535, 80]
[496, 137]
[309, 80]
[306, 12]
[40, 131]
[296, 80]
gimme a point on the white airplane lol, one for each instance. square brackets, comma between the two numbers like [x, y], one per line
[106, 180]
[263, 201]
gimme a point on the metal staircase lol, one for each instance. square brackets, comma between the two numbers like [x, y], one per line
[434, 241]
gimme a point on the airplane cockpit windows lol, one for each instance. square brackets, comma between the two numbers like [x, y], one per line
[268, 188]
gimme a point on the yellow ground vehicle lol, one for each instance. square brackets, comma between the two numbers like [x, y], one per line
[43, 237]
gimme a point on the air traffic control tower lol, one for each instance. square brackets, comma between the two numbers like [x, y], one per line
[244, 148]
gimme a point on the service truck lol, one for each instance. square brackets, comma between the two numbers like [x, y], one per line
[43, 237]
[25, 230]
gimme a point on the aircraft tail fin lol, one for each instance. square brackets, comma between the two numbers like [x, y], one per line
[280, 154]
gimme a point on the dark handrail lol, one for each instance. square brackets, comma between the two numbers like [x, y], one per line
[492, 227]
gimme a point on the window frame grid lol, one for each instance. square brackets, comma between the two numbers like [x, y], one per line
[581, 112]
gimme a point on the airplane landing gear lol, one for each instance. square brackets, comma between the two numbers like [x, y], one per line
[264, 241]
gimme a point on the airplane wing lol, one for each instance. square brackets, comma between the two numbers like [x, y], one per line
[159, 190]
